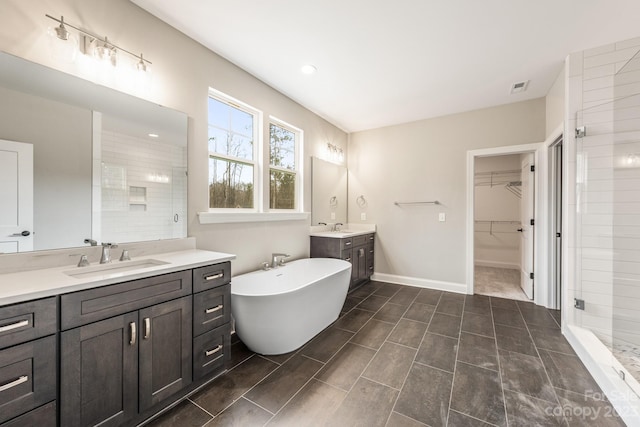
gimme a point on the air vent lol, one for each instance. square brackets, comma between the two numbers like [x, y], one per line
[519, 87]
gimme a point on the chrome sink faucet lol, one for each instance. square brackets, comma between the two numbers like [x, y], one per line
[336, 226]
[106, 252]
[278, 259]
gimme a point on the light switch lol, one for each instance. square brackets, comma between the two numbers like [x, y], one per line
[442, 217]
[363, 216]
[333, 215]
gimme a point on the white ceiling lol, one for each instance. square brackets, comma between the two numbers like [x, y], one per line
[387, 62]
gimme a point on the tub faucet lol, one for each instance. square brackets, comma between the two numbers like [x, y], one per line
[106, 252]
[277, 258]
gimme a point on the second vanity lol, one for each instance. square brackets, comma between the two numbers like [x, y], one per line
[355, 245]
[111, 344]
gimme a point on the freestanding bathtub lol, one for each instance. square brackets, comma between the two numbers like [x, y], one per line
[279, 310]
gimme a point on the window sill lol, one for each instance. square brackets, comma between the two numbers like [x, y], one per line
[231, 217]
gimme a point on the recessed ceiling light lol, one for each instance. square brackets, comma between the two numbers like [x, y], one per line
[154, 135]
[308, 69]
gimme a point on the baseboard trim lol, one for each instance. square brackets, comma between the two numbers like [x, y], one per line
[496, 264]
[460, 288]
[598, 360]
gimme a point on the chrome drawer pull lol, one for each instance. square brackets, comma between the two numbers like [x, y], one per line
[147, 328]
[371, 238]
[214, 351]
[348, 259]
[214, 309]
[13, 326]
[347, 243]
[214, 276]
[132, 330]
[20, 380]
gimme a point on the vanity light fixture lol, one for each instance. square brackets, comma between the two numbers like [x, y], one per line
[102, 48]
[335, 153]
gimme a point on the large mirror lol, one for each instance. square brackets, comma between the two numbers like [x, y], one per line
[106, 166]
[329, 192]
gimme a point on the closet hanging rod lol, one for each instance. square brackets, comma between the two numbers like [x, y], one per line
[435, 202]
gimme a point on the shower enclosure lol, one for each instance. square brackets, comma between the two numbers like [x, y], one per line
[605, 175]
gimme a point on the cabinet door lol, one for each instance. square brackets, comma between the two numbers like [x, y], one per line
[165, 350]
[99, 373]
[361, 261]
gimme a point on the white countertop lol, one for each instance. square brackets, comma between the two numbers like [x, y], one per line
[340, 234]
[34, 284]
[347, 230]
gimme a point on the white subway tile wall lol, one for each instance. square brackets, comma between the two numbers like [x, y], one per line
[142, 189]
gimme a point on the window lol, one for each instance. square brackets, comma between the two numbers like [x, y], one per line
[284, 147]
[233, 154]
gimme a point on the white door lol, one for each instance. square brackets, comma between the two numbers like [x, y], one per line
[526, 218]
[16, 194]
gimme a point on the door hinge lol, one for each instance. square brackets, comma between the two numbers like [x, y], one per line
[578, 303]
[533, 168]
[532, 222]
[531, 275]
[581, 131]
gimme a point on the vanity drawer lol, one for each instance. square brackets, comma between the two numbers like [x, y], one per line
[80, 308]
[362, 240]
[27, 321]
[211, 309]
[346, 243]
[211, 276]
[44, 416]
[211, 351]
[27, 376]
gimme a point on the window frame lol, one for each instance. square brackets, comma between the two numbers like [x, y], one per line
[298, 169]
[257, 152]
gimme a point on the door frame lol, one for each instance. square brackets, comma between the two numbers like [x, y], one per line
[542, 291]
[556, 138]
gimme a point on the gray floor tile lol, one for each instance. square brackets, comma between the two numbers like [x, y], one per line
[229, 387]
[478, 324]
[390, 313]
[478, 350]
[444, 324]
[450, 304]
[456, 419]
[390, 365]
[279, 358]
[399, 420]
[478, 304]
[539, 316]
[185, 414]
[420, 312]
[425, 395]
[314, 405]
[513, 318]
[241, 413]
[362, 292]
[428, 296]
[326, 344]
[353, 320]
[351, 302]
[373, 334]
[344, 369]
[477, 392]
[367, 404]
[278, 387]
[408, 332]
[526, 411]
[388, 290]
[508, 304]
[567, 372]
[550, 339]
[515, 339]
[373, 303]
[405, 296]
[438, 351]
[526, 374]
[239, 353]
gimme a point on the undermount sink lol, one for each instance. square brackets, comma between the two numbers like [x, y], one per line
[116, 267]
[344, 231]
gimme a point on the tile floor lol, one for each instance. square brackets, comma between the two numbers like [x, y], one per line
[498, 282]
[404, 356]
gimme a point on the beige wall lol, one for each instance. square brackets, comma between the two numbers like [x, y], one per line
[554, 102]
[425, 161]
[182, 72]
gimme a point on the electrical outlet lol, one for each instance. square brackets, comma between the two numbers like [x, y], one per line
[363, 216]
[333, 215]
[442, 217]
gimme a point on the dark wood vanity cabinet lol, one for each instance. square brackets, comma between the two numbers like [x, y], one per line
[358, 250]
[28, 371]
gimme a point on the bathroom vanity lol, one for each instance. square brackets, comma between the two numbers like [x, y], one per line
[357, 247]
[127, 341]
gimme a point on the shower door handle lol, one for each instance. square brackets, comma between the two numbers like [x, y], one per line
[520, 230]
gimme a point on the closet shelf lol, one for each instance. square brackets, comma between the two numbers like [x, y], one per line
[511, 180]
[491, 226]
